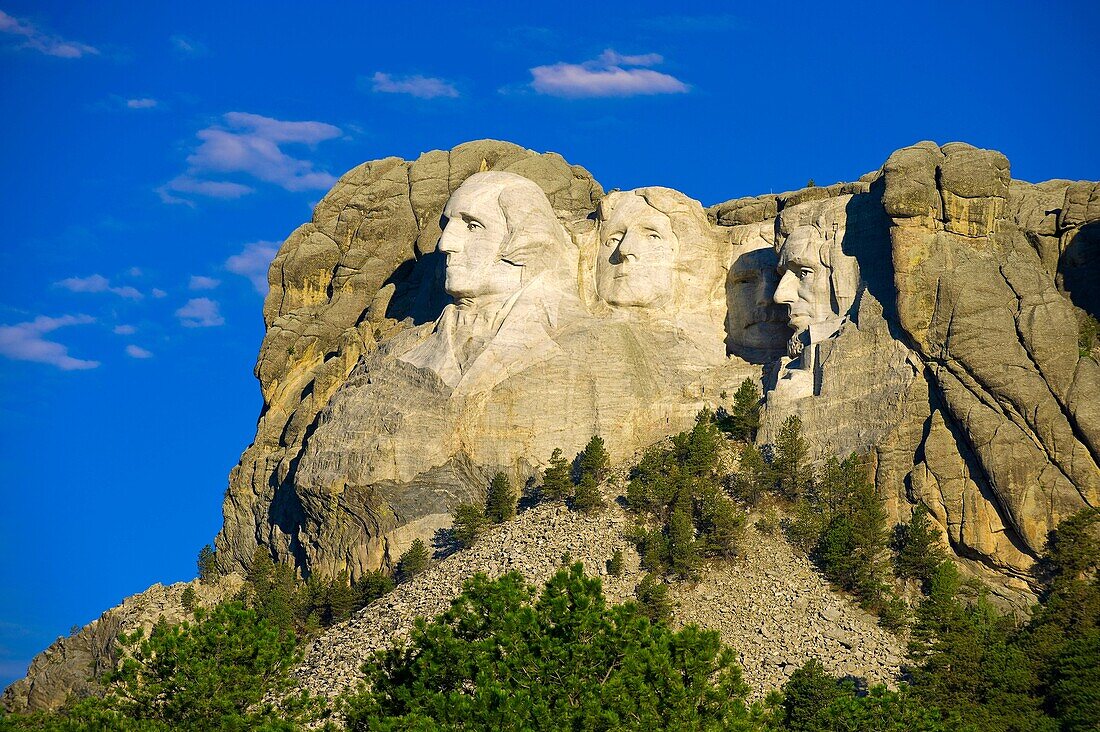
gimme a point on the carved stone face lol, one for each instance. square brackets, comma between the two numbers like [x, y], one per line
[804, 284]
[473, 237]
[637, 256]
[754, 320]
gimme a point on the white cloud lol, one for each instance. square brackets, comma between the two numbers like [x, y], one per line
[137, 352]
[424, 87]
[124, 330]
[98, 283]
[198, 282]
[250, 144]
[159, 293]
[188, 46]
[24, 342]
[252, 262]
[38, 40]
[134, 271]
[611, 75]
[143, 103]
[200, 312]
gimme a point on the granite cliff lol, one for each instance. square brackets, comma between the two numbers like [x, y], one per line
[942, 337]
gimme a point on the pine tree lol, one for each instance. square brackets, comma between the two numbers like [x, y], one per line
[918, 549]
[683, 553]
[653, 597]
[721, 525]
[208, 570]
[414, 561]
[588, 497]
[469, 523]
[754, 476]
[556, 483]
[744, 419]
[594, 460]
[789, 465]
[615, 564]
[500, 502]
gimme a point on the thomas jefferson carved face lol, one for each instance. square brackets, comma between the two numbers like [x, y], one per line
[637, 257]
[475, 233]
[805, 284]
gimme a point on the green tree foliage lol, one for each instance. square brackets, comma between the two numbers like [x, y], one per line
[371, 586]
[743, 420]
[653, 598]
[753, 478]
[588, 497]
[469, 523]
[187, 599]
[918, 552]
[414, 561]
[814, 701]
[789, 463]
[594, 460]
[556, 482]
[502, 659]
[208, 570]
[500, 501]
[677, 489]
[206, 675]
[615, 564]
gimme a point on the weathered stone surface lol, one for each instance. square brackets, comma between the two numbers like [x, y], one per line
[69, 667]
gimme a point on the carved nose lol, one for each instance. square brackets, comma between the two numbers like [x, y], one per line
[628, 247]
[787, 289]
[449, 242]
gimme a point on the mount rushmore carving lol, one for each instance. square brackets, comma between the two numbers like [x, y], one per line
[467, 313]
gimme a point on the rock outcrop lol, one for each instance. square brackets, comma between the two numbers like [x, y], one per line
[941, 337]
[71, 665]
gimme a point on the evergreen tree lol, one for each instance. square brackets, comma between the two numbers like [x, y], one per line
[272, 590]
[653, 598]
[469, 523]
[721, 525]
[754, 476]
[789, 464]
[208, 570]
[414, 561]
[502, 659]
[682, 549]
[594, 460]
[500, 502]
[588, 497]
[556, 483]
[918, 551]
[371, 586]
[744, 419]
[615, 564]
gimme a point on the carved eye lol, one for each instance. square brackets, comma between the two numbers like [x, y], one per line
[613, 240]
[804, 272]
[654, 237]
[473, 225]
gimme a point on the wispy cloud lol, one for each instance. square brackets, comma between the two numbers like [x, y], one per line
[198, 282]
[36, 39]
[611, 75]
[252, 262]
[124, 330]
[251, 144]
[98, 283]
[137, 352]
[159, 293]
[200, 312]
[24, 342]
[188, 46]
[424, 87]
[142, 103]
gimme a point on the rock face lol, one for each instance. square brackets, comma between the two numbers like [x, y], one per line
[468, 312]
[68, 666]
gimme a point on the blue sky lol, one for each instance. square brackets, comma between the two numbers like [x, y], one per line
[153, 158]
